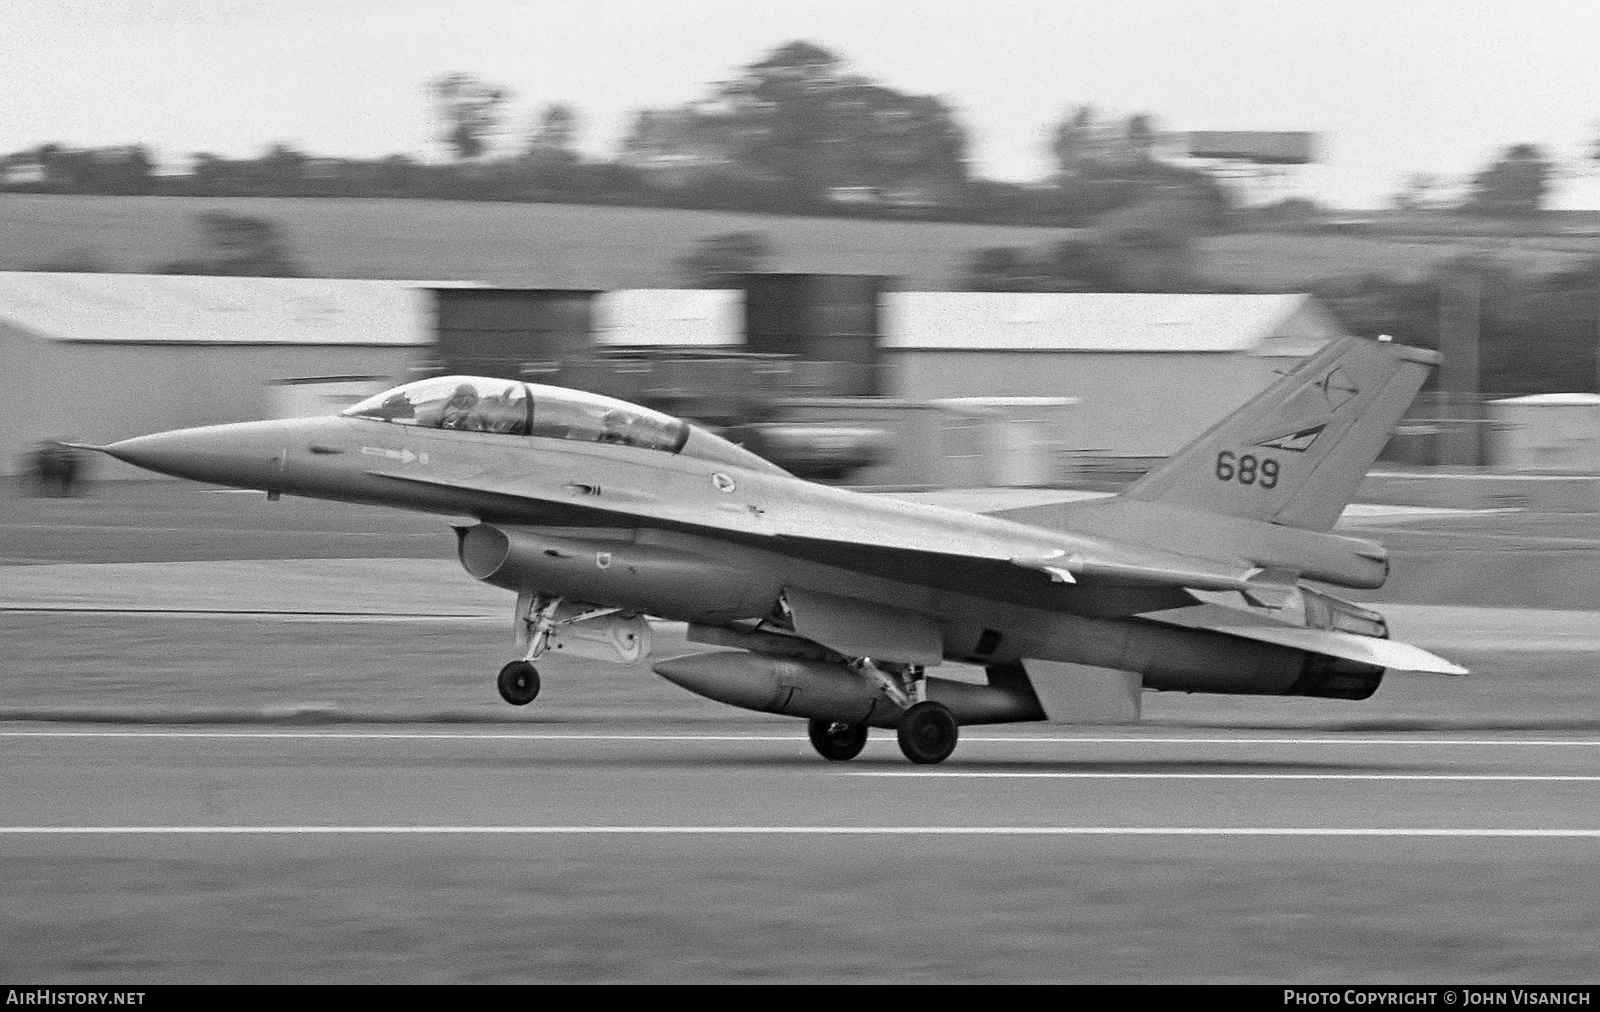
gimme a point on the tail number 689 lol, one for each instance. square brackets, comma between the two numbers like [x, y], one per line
[1247, 469]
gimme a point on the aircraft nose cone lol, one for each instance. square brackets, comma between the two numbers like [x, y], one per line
[247, 455]
[162, 452]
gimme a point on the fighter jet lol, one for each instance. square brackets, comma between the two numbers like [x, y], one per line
[833, 605]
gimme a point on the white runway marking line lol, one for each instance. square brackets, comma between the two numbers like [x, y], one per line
[401, 735]
[964, 774]
[792, 738]
[307, 617]
[1219, 831]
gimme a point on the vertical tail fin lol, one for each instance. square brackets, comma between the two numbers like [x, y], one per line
[1296, 454]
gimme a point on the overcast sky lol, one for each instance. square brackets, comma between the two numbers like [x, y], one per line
[1394, 86]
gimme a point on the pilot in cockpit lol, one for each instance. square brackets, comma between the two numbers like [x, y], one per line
[461, 410]
[614, 426]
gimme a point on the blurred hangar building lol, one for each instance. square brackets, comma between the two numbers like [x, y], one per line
[1149, 371]
[828, 372]
[1112, 381]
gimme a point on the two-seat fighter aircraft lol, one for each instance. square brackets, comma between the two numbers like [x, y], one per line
[598, 513]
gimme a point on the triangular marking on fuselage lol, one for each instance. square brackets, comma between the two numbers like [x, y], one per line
[1298, 441]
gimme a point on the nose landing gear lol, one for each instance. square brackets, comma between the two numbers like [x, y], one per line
[544, 623]
[518, 683]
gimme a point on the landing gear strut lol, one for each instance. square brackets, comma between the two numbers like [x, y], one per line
[927, 732]
[518, 683]
[538, 618]
[836, 740]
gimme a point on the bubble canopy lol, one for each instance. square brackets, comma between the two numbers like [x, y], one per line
[479, 404]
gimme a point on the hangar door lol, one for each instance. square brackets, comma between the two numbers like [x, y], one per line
[829, 321]
[520, 333]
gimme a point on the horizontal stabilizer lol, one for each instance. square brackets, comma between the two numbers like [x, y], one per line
[1383, 653]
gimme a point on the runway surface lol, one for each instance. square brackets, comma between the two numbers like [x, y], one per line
[86, 779]
[439, 854]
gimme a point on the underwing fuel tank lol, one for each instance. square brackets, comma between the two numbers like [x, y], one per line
[816, 689]
[669, 580]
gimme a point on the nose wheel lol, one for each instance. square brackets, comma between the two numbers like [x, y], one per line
[836, 740]
[518, 683]
[927, 733]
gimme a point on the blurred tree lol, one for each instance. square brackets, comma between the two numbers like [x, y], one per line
[125, 169]
[282, 168]
[238, 245]
[1149, 247]
[555, 135]
[784, 104]
[1514, 186]
[1142, 135]
[1072, 141]
[1103, 165]
[1418, 193]
[399, 175]
[797, 118]
[1085, 146]
[641, 137]
[671, 148]
[140, 169]
[716, 259]
[469, 111]
[214, 175]
[47, 155]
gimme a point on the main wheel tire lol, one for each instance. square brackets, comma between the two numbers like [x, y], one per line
[928, 733]
[836, 740]
[518, 683]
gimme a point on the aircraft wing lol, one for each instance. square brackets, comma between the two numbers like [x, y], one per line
[940, 548]
[895, 539]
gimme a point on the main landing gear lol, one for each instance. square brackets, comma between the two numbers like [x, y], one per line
[927, 731]
[837, 740]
